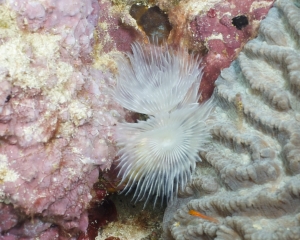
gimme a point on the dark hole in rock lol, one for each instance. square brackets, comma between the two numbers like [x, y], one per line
[154, 22]
[8, 98]
[137, 10]
[240, 21]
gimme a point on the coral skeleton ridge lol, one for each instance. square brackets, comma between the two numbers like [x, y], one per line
[249, 179]
[158, 156]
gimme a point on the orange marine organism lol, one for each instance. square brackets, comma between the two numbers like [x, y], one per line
[200, 215]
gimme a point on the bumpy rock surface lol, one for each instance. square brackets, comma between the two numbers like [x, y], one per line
[249, 180]
[56, 118]
[211, 26]
[205, 27]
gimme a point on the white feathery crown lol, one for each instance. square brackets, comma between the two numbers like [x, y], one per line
[157, 80]
[158, 156]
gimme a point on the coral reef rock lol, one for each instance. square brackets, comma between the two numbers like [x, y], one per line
[248, 185]
[216, 29]
[56, 118]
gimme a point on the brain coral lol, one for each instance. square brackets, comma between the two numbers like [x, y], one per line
[249, 178]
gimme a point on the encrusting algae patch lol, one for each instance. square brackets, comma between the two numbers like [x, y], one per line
[134, 222]
[32, 61]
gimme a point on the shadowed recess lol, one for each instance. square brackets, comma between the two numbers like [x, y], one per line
[154, 22]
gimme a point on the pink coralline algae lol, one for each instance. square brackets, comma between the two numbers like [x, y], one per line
[210, 28]
[56, 118]
[216, 29]
[111, 32]
[222, 39]
[74, 21]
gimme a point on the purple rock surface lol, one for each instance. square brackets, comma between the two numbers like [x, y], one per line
[56, 118]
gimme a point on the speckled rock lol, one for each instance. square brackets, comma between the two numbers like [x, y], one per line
[216, 29]
[74, 21]
[56, 118]
[249, 181]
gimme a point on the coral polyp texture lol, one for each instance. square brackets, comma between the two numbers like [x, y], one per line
[248, 184]
[158, 156]
[55, 118]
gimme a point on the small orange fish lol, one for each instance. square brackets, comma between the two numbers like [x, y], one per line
[200, 215]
